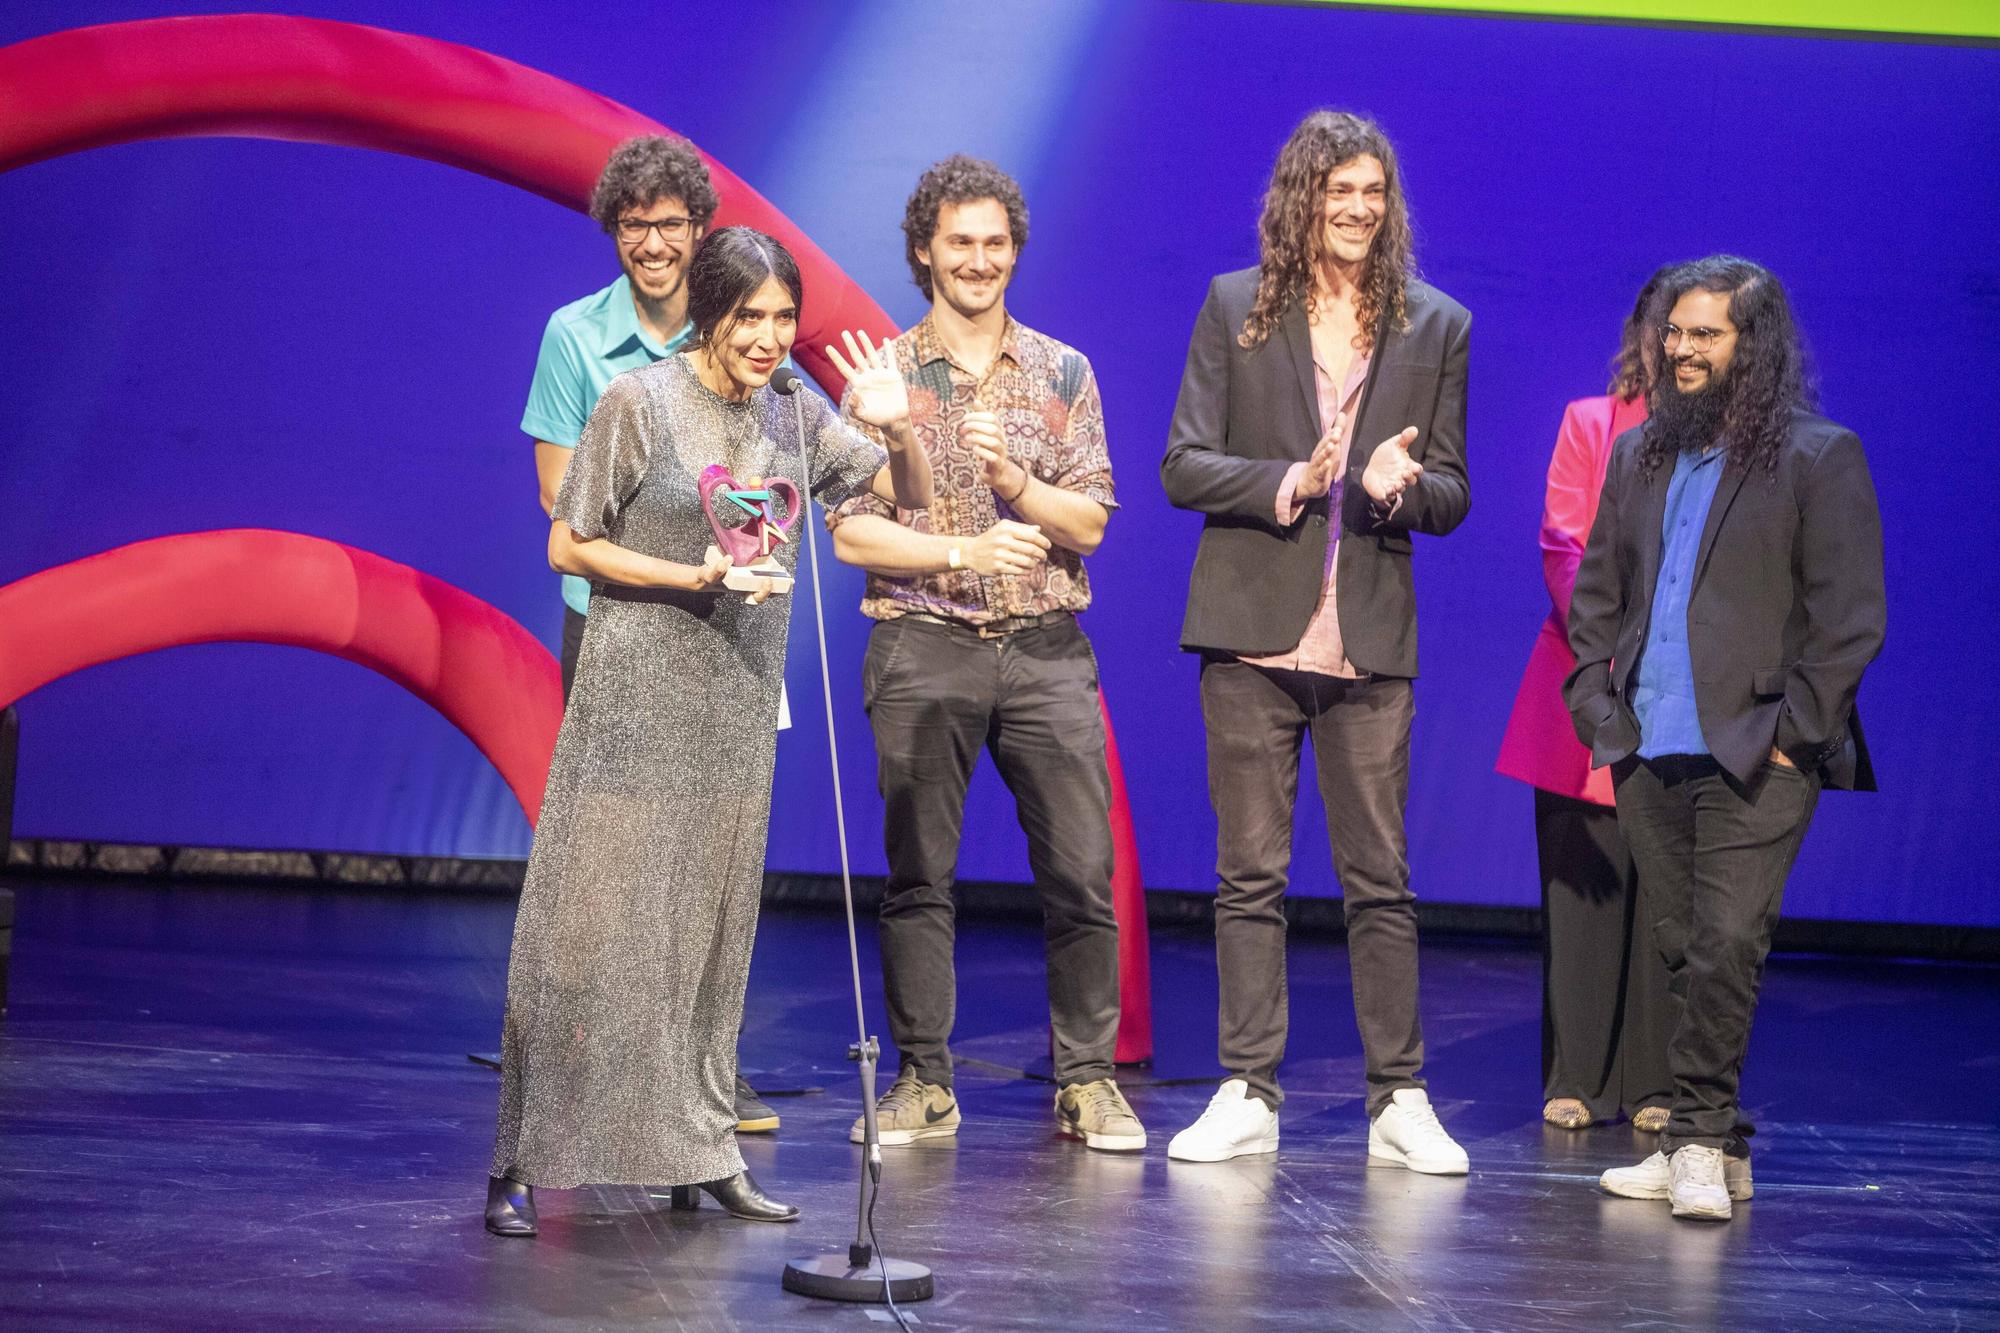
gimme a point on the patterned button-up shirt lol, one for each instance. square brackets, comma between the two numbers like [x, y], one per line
[1046, 398]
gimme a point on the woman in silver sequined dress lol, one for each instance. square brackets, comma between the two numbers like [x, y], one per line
[632, 942]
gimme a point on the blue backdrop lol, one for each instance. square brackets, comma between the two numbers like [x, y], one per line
[217, 333]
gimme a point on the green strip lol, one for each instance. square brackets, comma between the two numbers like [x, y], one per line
[1915, 18]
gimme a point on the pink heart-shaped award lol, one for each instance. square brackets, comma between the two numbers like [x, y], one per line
[750, 541]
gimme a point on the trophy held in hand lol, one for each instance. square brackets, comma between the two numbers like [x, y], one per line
[747, 527]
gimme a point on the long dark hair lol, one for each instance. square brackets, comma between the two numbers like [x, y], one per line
[1289, 233]
[1768, 377]
[1637, 363]
[727, 270]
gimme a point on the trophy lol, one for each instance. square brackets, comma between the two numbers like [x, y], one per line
[752, 528]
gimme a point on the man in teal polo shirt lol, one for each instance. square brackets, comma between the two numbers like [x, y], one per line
[655, 200]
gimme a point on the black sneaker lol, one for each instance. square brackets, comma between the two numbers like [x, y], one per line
[752, 1115]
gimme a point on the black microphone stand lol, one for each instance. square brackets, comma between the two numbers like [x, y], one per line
[863, 1274]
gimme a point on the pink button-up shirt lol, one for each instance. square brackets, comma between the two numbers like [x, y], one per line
[1320, 649]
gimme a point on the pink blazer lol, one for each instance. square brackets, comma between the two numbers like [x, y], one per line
[1540, 747]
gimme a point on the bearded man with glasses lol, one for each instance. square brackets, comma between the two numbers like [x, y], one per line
[655, 200]
[1728, 601]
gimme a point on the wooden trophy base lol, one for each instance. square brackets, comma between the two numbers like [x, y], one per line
[766, 575]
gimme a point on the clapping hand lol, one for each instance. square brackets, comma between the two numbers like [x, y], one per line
[875, 391]
[980, 433]
[1007, 547]
[1390, 469]
[1318, 478]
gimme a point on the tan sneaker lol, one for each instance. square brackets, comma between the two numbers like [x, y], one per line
[910, 1110]
[1098, 1114]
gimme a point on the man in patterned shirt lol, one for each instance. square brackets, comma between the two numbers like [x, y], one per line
[976, 646]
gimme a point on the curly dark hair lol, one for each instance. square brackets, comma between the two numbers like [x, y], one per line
[1289, 232]
[958, 179]
[1769, 376]
[1637, 363]
[651, 167]
[727, 269]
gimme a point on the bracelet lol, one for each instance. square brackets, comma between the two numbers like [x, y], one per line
[1027, 480]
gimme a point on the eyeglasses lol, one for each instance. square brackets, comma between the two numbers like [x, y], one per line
[631, 230]
[1694, 340]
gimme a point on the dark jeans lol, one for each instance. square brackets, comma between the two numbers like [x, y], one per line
[937, 695]
[1713, 856]
[572, 645]
[1605, 1018]
[1256, 719]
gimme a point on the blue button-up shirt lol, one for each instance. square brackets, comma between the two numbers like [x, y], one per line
[586, 343]
[1663, 686]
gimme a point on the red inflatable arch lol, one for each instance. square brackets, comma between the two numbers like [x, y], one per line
[317, 81]
[490, 677]
[263, 76]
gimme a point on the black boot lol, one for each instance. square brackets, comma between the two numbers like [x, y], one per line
[510, 1207]
[740, 1195]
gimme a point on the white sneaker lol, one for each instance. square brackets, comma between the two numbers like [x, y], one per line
[1697, 1188]
[1653, 1178]
[1408, 1132]
[1234, 1125]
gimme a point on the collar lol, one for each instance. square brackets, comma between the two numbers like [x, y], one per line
[926, 346]
[622, 327]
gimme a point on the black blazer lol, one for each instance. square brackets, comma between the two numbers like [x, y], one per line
[1245, 416]
[1787, 609]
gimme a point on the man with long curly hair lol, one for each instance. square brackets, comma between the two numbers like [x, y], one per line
[1728, 601]
[655, 200]
[976, 647]
[1321, 423]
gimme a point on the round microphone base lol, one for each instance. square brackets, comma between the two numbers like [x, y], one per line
[830, 1277]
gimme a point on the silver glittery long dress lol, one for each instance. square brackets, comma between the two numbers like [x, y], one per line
[632, 941]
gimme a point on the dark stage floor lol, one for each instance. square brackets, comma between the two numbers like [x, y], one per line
[252, 1109]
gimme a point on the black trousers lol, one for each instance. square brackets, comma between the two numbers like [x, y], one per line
[1256, 719]
[1605, 1016]
[1713, 856]
[937, 695]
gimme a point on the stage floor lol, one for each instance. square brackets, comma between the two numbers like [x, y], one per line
[243, 1109]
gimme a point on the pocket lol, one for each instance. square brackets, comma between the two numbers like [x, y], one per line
[1394, 543]
[885, 644]
[1090, 655]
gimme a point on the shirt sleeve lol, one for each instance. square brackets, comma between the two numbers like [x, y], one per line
[1569, 505]
[1083, 464]
[558, 399]
[610, 460]
[1289, 505]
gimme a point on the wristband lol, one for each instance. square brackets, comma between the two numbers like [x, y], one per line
[953, 558]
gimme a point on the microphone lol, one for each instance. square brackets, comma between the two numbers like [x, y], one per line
[785, 380]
